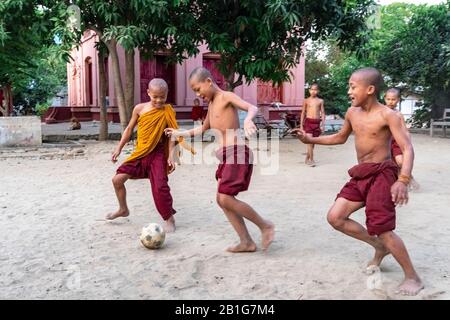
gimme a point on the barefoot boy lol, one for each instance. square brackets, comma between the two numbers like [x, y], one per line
[374, 182]
[392, 98]
[236, 166]
[152, 159]
[313, 112]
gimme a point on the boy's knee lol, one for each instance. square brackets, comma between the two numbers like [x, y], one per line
[117, 181]
[222, 200]
[386, 236]
[335, 220]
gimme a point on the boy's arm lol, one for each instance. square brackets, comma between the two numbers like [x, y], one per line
[322, 112]
[337, 138]
[302, 116]
[126, 135]
[399, 132]
[252, 111]
[171, 132]
[170, 160]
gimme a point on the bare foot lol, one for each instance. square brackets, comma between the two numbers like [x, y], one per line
[243, 247]
[267, 235]
[410, 287]
[310, 163]
[374, 264]
[117, 214]
[169, 225]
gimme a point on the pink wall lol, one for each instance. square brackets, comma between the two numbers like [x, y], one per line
[293, 93]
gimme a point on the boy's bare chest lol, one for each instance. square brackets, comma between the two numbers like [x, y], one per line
[313, 104]
[369, 126]
[220, 111]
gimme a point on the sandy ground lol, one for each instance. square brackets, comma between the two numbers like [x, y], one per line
[54, 242]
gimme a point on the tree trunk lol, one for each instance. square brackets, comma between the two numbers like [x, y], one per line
[3, 104]
[129, 82]
[5, 109]
[231, 83]
[112, 47]
[103, 133]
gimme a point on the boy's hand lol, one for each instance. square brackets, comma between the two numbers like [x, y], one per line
[301, 134]
[171, 132]
[322, 128]
[171, 164]
[399, 193]
[249, 127]
[115, 155]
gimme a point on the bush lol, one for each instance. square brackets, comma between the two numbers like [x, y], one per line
[41, 108]
[421, 117]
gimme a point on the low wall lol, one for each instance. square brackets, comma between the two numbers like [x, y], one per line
[20, 131]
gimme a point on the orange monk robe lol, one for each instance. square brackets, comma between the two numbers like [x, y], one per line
[150, 129]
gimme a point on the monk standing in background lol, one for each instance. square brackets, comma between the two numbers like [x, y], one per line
[313, 113]
[153, 156]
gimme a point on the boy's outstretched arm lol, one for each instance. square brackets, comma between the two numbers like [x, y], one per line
[126, 135]
[337, 138]
[252, 111]
[399, 190]
[171, 132]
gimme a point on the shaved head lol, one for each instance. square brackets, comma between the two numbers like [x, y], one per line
[158, 84]
[395, 91]
[371, 77]
[200, 74]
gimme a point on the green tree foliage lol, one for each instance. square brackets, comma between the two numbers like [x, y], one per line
[26, 64]
[416, 55]
[264, 39]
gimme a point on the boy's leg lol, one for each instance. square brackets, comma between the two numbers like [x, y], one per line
[311, 159]
[236, 210]
[161, 190]
[246, 243]
[412, 283]
[309, 151]
[119, 187]
[338, 217]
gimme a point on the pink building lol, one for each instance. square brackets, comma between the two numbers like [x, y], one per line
[83, 83]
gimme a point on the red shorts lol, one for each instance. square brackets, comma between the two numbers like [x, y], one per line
[312, 126]
[235, 169]
[371, 183]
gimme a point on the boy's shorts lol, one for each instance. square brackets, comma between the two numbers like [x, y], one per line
[312, 126]
[371, 183]
[235, 169]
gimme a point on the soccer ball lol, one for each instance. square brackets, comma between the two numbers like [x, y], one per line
[152, 236]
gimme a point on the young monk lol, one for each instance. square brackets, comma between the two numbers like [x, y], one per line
[374, 182]
[235, 157]
[392, 98]
[313, 112]
[153, 157]
[197, 111]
